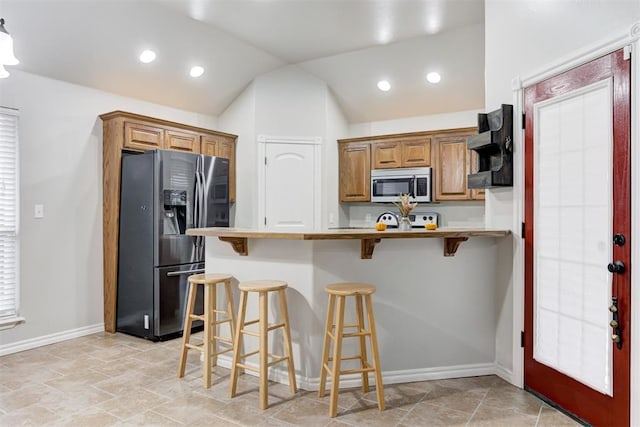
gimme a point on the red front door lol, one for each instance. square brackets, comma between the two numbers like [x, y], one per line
[577, 221]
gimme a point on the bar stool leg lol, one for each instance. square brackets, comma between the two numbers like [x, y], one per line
[230, 312]
[207, 344]
[242, 310]
[264, 349]
[363, 344]
[376, 355]
[326, 345]
[186, 334]
[337, 356]
[287, 341]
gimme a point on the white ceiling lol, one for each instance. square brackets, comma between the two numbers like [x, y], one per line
[350, 44]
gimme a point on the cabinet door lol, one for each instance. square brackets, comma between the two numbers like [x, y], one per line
[386, 155]
[208, 146]
[222, 147]
[227, 148]
[476, 193]
[416, 153]
[138, 136]
[355, 172]
[452, 164]
[183, 141]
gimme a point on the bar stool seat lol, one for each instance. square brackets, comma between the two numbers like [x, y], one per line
[334, 330]
[263, 287]
[209, 344]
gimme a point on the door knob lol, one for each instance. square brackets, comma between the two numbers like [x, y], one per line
[616, 267]
[613, 308]
[615, 338]
[613, 324]
[619, 239]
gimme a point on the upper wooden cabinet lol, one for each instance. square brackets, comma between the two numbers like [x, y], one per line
[444, 150]
[222, 146]
[416, 152]
[452, 163]
[124, 131]
[399, 153]
[355, 172]
[141, 136]
[182, 141]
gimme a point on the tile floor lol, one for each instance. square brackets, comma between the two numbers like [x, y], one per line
[118, 380]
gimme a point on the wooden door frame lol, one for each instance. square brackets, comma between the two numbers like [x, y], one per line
[263, 140]
[629, 37]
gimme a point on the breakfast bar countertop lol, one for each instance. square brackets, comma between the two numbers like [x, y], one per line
[237, 237]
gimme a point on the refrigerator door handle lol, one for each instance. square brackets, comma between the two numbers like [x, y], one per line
[197, 203]
[201, 224]
[182, 273]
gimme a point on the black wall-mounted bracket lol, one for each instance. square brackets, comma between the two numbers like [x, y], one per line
[494, 145]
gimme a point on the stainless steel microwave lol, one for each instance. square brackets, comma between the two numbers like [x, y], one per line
[388, 184]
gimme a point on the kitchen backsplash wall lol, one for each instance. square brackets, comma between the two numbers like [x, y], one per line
[451, 214]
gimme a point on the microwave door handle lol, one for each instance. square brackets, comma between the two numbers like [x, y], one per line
[415, 186]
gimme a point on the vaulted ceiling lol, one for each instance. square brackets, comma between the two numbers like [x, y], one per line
[349, 44]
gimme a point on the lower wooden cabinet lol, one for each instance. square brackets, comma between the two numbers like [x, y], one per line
[355, 172]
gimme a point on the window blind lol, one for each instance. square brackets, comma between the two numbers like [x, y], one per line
[8, 213]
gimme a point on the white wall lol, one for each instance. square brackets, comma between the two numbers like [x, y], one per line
[290, 102]
[61, 167]
[287, 102]
[522, 37]
[239, 119]
[334, 212]
[415, 124]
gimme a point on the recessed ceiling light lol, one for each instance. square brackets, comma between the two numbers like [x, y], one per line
[147, 56]
[196, 71]
[433, 77]
[384, 85]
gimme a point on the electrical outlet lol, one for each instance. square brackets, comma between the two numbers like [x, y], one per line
[38, 211]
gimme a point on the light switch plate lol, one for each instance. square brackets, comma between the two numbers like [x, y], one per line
[38, 211]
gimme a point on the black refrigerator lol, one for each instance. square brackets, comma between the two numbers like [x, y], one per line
[162, 194]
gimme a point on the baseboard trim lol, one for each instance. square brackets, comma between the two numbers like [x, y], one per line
[50, 339]
[279, 374]
[505, 374]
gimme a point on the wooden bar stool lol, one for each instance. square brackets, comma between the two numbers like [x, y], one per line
[209, 345]
[263, 287]
[339, 291]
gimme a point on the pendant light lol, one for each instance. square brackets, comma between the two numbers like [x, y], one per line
[6, 50]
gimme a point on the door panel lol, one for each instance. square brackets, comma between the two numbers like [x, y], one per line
[289, 186]
[577, 197]
[572, 236]
[170, 294]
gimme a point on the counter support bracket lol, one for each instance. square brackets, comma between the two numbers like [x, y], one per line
[366, 247]
[239, 244]
[451, 244]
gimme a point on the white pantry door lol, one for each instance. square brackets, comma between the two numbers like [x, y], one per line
[289, 186]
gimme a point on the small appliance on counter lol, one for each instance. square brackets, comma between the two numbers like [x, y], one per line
[418, 219]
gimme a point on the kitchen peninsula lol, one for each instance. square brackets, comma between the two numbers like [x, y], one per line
[435, 315]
